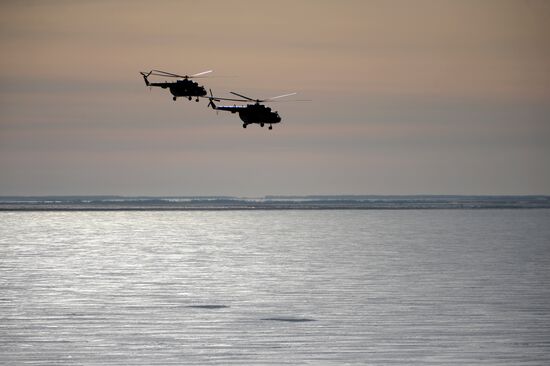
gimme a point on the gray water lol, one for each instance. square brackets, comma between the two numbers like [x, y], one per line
[275, 287]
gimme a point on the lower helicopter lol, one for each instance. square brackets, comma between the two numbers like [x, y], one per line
[250, 113]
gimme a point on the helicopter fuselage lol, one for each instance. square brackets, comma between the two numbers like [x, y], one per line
[186, 88]
[253, 113]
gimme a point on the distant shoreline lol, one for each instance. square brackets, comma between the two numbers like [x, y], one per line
[225, 203]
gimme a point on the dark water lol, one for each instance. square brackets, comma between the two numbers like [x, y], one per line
[468, 287]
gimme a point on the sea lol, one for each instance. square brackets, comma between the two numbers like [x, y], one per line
[275, 287]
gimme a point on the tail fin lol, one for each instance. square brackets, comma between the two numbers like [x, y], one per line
[145, 75]
[211, 100]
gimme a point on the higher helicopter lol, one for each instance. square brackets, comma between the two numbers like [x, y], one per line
[179, 88]
[250, 113]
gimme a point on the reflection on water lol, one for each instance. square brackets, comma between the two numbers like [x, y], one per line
[280, 287]
[296, 320]
[208, 306]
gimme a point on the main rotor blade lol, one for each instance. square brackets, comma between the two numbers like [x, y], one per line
[230, 99]
[287, 101]
[169, 76]
[219, 98]
[201, 73]
[165, 73]
[280, 96]
[242, 96]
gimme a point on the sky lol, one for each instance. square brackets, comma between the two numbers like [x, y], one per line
[407, 97]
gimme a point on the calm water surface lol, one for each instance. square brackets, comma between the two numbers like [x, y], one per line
[275, 287]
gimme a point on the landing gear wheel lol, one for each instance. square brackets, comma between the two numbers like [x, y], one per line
[270, 127]
[244, 125]
[174, 99]
[189, 98]
[196, 100]
[261, 125]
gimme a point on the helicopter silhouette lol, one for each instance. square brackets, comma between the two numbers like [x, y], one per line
[250, 113]
[180, 88]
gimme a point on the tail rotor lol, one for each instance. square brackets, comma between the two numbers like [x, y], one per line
[211, 100]
[145, 76]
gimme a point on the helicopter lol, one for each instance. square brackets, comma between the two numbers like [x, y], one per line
[250, 113]
[179, 88]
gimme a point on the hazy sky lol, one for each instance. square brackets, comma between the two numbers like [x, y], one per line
[408, 97]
